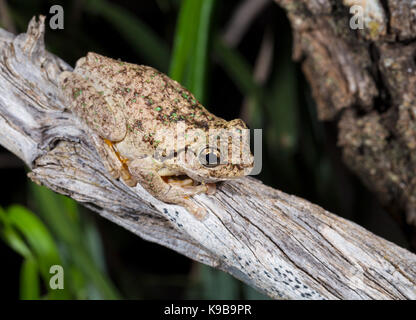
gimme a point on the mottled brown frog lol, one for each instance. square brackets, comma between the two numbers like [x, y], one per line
[148, 129]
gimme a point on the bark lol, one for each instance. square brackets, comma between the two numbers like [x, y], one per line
[365, 80]
[280, 244]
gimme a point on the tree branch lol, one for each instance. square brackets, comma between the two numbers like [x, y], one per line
[281, 244]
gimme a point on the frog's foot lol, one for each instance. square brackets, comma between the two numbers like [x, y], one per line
[197, 211]
[179, 190]
[181, 195]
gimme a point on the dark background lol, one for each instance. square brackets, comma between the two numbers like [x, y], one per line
[300, 154]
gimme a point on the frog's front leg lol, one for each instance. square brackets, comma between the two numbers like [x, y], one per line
[144, 171]
[112, 160]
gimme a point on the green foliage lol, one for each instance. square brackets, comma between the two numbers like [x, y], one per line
[23, 231]
[81, 247]
[66, 240]
[29, 280]
[190, 55]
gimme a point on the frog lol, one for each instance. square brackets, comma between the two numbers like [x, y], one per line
[132, 113]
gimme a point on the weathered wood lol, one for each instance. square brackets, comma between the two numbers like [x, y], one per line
[281, 244]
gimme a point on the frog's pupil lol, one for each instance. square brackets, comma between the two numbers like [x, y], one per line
[211, 158]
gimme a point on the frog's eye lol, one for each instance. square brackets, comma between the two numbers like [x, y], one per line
[209, 157]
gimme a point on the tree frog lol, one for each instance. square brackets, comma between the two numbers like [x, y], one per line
[148, 129]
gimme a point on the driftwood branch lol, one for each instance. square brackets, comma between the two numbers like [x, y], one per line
[278, 243]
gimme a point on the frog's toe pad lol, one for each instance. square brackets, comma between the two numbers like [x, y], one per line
[197, 211]
[211, 188]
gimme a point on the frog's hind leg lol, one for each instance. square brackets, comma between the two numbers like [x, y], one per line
[143, 170]
[112, 161]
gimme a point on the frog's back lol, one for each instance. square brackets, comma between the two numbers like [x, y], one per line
[151, 99]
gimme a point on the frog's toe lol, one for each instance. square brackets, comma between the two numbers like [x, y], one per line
[181, 195]
[211, 188]
[193, 190]
[128, 179]
[197, 211]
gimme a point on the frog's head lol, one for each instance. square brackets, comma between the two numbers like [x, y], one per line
[221, 153]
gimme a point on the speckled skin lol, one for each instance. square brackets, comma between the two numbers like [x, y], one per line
[136, 111]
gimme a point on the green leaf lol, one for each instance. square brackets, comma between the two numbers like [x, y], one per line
[11, 237]
[81, 245]
[37, 236]
[198, 75]
[93, 275]
[39, 249]
[15, 241]
[53, 209]
[94, 245]
[185, 38]
[29, 280]
[191, 47]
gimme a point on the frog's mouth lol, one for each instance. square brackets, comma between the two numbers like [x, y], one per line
[183, 181]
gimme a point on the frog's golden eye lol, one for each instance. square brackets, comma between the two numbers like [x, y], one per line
[209, 157]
